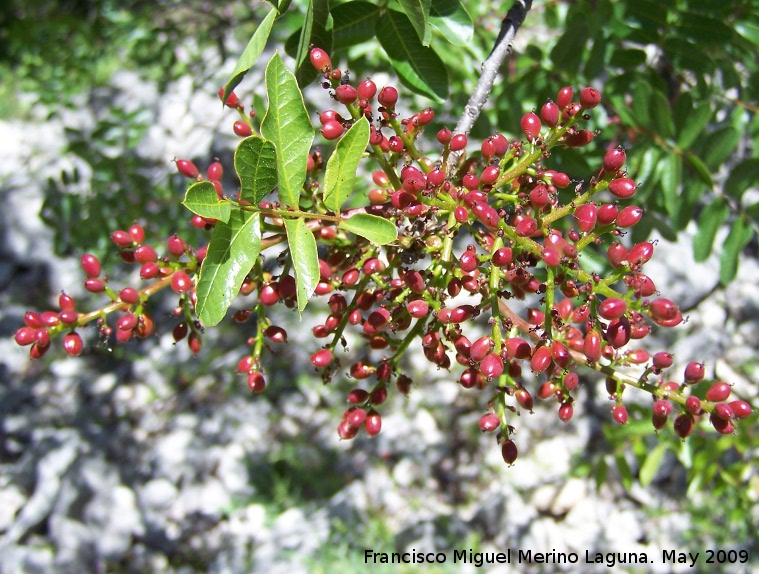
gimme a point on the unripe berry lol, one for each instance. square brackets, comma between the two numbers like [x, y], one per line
[388, 97]
[187, 169]
[320, 60]
[530, 124]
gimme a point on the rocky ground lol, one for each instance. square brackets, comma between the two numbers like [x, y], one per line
[154, 461]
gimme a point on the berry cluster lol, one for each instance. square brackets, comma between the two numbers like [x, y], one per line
[494, 239]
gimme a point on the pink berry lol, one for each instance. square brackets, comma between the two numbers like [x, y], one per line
[622, 187]
[181, 282]
[489, 422]
[367, 90]
[332, 130]
[564, 97]
[321, 358]
[586, 216]
[619, 413]
[550, 114]
[90, 265]
[530, 125]
[187, 169]
[589, 98]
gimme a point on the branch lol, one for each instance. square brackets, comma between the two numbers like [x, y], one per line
[502, 48]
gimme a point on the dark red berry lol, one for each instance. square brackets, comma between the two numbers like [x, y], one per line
[694, 373]
[256, 382]
[489, 422]
[683, 425]
[612, 308]
[579, 138]
[566, 410]
[607, 213]
[662, 360]
[541, 359]
[509, 452]
[373, 423]
[662, 309]
[693, 404]
[613, 161]
[741, 409]
[491, 366]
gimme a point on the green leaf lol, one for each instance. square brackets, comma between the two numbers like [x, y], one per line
[232, 252]
[569, 51]
[651, 465]
[721, 144]
[712, 216]
[201, 199]
[316, 31]
[453, 22]
[418, 66]
[256, 166]
[251, 53]
[740, 234]
[700, 168]
[341, 167]
[743, 176]
[353, 23]
[695, 123]
[671, 177]
[624, 471]
[374, 228]
[418, 12]
[288, 126]
[662, 115]
[305, 259]
[640, 104]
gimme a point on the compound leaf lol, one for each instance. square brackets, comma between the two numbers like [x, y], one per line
[232, 252]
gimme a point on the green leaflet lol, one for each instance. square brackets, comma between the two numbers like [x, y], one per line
[341, 167]
[742, 177]
[418, 66]
[201, 199]
[695, 123]
[374, 228]
[353, 23]
[651, 465]
[256, 166]
[232, 252]
[252, 52]
[740, 234]
[305, 259]
[453, 21]
[288, 126]
[418, 12]
[671, 177]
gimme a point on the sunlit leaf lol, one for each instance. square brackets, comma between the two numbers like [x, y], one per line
[418, 12]
[452, 20]
[305, 259]
[372, 227]
[288, 126]
[740, 234]
[709, 221]
[340, 174]
[651, 464]
[232, 252]
[256, 166]
[251, 53]
[201, 198]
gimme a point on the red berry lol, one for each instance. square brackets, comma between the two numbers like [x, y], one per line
[683, 425]
[718, 392]
[694, 373]
[489, 422]
[332, 130]
[90, 265]
[586, 216]
[592, 346]
[25, 336]
[486, 214]
[662, 309]
[693, 404]
[557, 178]
[121, 238]
[566, 410]
[502, 256]
[526, 227]
[373, 423]
[444, 136]
[629, 216]
[256, 382]
[215, 171]
[530, 125]
[194, 342]
[346, 94]
[640, 253]
[320, 60]
[149, 270]
[66, 302]
[622, 187]
[181, 282]
[242, 129]
[741, 409]
[662, 408]
[367, 90]
[589, 98]
[458, 142]
[550, 114]
[145, 254]
[491, 366]
[616, 254]
[176, 246]
[579, 138]
[662, 360]
[94, 285]
[321, 358]
[618, 332]
[388, 97]
[564, 97]
[72, 344]
[612, 308]
[541, 359]
[418, 308]
[619, 413]
[607, 213]
[724, 411]
[187, 169]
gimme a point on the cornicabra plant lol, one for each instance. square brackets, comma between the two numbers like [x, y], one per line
[388, 266]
